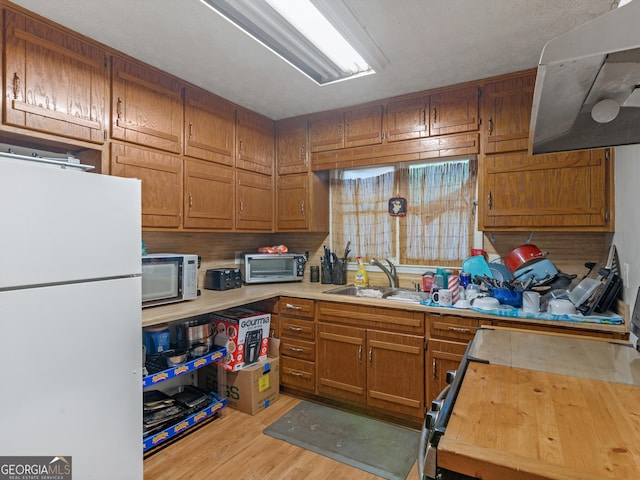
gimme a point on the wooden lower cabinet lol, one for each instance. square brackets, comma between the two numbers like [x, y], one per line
[297, 343]
[442, 356]
[369, 366]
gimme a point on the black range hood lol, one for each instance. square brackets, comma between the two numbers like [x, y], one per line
[587, 91]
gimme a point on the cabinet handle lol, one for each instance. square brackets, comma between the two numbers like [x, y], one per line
[424, 116]
[339, 130]
[435, 114]
[241, 145]
[293, 307]
[295, 329]
[459, 329]
[489, 200]
[190, 201]
[241, 206]
[297, 374]
[296, 349]
[433, 368]
[370, 355]
[302, 152]
[16, 85]
[490, 126]
[190, 129]
[302, 208]
[119, 108]
[360, 354]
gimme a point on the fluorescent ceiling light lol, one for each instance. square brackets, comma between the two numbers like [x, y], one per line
[308, 34]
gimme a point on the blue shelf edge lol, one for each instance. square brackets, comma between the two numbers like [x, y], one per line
[156, 439]
[187, 367]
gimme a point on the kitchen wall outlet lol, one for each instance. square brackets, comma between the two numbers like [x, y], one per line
[238, 258]
[625, 274]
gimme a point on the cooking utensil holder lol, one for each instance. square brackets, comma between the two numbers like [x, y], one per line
[339, 276]
[326, 273]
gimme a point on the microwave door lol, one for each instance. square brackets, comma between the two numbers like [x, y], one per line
[160, 281]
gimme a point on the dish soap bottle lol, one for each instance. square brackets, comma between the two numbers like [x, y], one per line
[361, 279]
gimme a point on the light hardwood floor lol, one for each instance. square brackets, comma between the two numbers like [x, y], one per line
[233, 447]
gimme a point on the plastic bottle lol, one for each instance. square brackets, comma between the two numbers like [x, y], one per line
[361, 279]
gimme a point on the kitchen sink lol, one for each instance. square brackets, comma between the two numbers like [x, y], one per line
[388, 293]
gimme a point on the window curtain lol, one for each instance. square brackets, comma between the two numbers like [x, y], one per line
[439, 226]
[359, 207]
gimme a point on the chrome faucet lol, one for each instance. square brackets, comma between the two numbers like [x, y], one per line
[390, 272]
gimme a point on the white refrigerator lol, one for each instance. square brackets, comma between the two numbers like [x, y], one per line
[70, 320]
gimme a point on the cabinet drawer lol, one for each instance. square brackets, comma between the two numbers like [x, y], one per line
[297, 328]
[297, 374]
[298, 307]
[450, 327]
[298, 349]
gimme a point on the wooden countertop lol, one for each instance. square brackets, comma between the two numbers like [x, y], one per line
[212, 300]
[520, 424]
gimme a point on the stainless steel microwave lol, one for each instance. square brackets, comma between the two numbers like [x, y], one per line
[168, 278]
[274, 267]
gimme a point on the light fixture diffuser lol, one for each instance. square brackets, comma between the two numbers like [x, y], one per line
[279, 25]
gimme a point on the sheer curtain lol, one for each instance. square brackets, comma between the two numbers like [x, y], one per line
[359, 208]
[438, 227]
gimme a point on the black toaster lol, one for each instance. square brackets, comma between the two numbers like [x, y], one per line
[222, 278]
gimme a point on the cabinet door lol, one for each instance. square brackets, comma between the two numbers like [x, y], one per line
[326, 131]
[565, 190]
[506, 113]
[406, 119]
[395, 363]
[341, 362]
[293, 202]
[146, 106]
[454, 111]
[363, 126]
[209, 123]
[254, 201]
[208, 195]
[292, 146]
[161, 176]
[442, 356]
[55, 83]
[255, 143]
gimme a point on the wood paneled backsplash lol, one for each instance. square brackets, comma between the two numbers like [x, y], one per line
[219, 249]
[567, 251]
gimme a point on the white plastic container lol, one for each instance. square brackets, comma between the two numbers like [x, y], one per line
[583, 291]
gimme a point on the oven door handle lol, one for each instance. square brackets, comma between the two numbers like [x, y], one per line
[424, 435]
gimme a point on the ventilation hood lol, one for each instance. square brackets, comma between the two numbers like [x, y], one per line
[590, 72]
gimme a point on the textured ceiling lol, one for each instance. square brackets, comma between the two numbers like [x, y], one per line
[429, 43]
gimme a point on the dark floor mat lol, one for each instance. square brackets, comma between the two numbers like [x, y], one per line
[383, 449]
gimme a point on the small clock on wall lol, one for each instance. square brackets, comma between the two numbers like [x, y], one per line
[397, 206]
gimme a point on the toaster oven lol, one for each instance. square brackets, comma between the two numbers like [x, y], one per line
[274, 267]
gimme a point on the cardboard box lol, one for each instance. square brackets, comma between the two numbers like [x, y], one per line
[245, 334]
[249, 390]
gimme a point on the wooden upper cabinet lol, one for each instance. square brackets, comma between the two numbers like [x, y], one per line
[293, 202]
[209, 123]
[254, 201]
[363, 126]
[292, 146]
[561, 191]
[161, 177]
[406, 119]
[55, 82]
[506, 113]
[255, 142]
[343, 129]
[208, 199]
[326, 131]
[146, 106]
[454, 111]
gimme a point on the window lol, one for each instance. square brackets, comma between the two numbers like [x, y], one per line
[438, 227]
